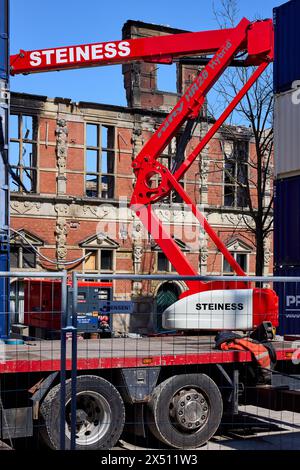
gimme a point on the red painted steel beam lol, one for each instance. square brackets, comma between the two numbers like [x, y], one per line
[158, 49]
[216, 126]
[154, 49]
[207, 227]
[191, 99]
[145, 164]
[97, 363]
[255, 38]
[167, 244]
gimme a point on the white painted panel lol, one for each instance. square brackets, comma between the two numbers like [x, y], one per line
[287, 134]
[211, 310]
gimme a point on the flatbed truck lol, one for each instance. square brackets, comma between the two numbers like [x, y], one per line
[178, 387]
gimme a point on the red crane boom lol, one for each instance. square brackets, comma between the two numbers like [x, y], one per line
[254, 39]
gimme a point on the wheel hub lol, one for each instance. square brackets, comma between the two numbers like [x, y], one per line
[81, 417]
[93, 418]
[189, 409]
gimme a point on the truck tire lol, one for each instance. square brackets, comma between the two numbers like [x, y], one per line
[185, 410]
[100, 414]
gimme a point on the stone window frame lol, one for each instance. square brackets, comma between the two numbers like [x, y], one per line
[237, 247]
[96, 243]
[20, 243]
[183, 247]
[229, 149]
[166, 159]
[20, 262]
[170, 268]
[98, 261]
[21, 141]
[99, 149]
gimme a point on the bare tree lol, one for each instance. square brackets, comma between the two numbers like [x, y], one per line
[255, 114]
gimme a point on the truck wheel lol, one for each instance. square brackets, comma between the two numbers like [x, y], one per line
[100, 414]
[185, 410]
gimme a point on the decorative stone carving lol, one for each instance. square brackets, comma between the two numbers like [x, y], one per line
[137, 139]
[148, 123]
[23, 207]
[179, 216]
[62, 210]
[24, 237]
[239, 246]
[137, 257]
[204, 255]
[61, 154]
[137, 262]
[61, 232]
[231, 218]
[136, 75]
[164, 214]
[137, 231]
[204, 169]
[99, 212]
[101, 237]
[267, 254]
[204, 164]
[74, 224]
[61, 254]
[203, 258]
[137, 143]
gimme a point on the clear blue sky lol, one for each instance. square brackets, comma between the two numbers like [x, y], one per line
[39, 24]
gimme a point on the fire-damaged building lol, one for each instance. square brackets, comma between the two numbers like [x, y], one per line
[69, 204]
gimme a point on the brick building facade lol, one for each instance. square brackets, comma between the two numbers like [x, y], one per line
[74, 163]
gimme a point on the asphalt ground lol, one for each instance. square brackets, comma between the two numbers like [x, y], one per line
[253, 429]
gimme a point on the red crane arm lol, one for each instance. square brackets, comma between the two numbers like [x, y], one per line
[158, 49]
[153, 49]
[256, 39]
[146, 165]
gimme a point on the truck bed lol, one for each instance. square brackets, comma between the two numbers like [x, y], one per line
[44, 355]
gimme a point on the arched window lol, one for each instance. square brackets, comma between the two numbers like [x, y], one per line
[99, 252]
[240, 251]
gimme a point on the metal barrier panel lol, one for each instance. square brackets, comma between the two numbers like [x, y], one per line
[30, 364]
[112, 351]
[150, 345]
[286, 287]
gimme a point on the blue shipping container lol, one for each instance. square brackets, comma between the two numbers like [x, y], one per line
[289, 301]
[4, 57]
[4, 196]
[287, 221]
[287, 40]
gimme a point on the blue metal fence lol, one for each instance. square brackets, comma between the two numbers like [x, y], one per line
[68, 349]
